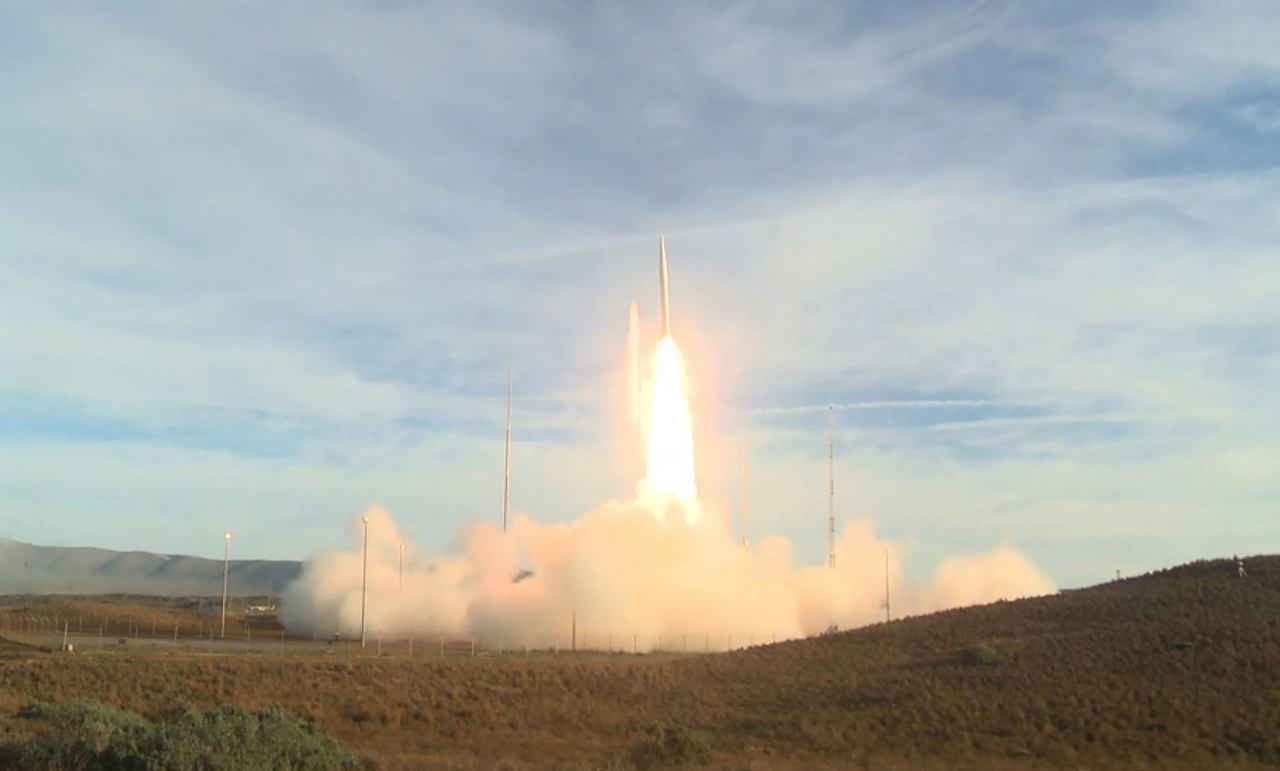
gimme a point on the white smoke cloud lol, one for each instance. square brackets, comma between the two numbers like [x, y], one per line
[622, 570]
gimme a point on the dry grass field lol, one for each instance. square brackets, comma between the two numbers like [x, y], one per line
[1179, 669]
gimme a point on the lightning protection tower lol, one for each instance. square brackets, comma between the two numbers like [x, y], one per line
[506, 452]
[831, 487]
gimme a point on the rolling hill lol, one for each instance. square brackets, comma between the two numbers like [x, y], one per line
[1178, 669]
[30, 569]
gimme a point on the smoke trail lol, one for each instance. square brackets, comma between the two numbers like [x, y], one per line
[622, 569]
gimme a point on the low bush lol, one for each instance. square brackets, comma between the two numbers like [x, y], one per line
[91, 736]
[668, 746]
[978, 656]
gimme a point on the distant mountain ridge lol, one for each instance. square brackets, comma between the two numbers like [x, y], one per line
[29, 569]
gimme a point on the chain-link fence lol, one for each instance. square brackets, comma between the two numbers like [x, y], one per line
[92, 634]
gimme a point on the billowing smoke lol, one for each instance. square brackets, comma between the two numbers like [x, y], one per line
[653, 570]
[628, 574]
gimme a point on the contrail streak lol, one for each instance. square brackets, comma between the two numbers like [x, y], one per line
[890, 404]
[1039, 420]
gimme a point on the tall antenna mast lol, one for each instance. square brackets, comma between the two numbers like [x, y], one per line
[506, 462]
[744, 488]
[831, 487]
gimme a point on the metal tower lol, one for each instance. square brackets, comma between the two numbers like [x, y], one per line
[506, 462]
[744, 489]
[831, 487]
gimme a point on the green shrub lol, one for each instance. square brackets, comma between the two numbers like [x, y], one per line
[90, 736]
[669, 747]
[978, 656]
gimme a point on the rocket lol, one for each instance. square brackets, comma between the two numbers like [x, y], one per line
[662, 285]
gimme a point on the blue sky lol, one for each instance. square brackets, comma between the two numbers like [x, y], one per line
[259, 265]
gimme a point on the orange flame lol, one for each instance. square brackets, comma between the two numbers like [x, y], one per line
[670, 430]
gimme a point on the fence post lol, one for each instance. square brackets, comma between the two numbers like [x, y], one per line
[473, 646]
[635, 643]
[175, 635]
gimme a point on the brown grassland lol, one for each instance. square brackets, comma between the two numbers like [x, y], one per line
[123, 615]
[1178, 669]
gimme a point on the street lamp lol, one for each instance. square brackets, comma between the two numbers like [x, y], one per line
[364, 582]
[226, 553]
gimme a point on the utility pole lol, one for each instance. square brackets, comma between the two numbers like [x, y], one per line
[364, 583]
[831, 487]
[226, 565]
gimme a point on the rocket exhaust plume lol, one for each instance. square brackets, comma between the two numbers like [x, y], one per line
[636, 567]
[670, 430]
[670, 472]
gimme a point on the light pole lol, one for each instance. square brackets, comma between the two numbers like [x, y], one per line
[226, 553]
[364, 582]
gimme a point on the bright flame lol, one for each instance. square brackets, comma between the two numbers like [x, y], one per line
[670, 433]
